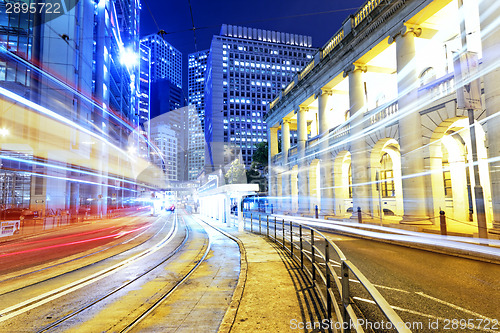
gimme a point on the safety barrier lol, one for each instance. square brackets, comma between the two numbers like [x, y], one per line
[318, 258]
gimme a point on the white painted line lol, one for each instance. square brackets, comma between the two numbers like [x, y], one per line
[418, 313]
[39, 300]
[456, 307]
[391, 288]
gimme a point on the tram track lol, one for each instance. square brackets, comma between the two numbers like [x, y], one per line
[54, 294]
[58, 263]
[114, 291]
[160, 300]
[174, 270]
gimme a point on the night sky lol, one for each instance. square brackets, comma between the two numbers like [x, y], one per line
[317, 18]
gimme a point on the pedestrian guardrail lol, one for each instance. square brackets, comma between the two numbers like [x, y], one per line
[318, 258]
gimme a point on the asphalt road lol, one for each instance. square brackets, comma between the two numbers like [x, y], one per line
[427, 287]
[431, 292]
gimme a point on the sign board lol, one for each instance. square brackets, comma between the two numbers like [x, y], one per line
[210, 185]
[9, 228]
[467, 81]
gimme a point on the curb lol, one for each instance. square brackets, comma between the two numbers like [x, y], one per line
[231, 312]
[431, 248]
[462, 253]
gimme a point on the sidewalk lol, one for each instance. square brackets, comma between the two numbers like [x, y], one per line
[432, 225]
[455, 243]
[272, 295]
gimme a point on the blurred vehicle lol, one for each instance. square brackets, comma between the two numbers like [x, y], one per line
[172, 208]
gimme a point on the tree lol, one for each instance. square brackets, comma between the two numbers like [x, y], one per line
[258, 173]
[236, 173]
[260, 155]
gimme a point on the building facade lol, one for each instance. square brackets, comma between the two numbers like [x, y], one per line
[90, 76]
[197, 66]
[385, 126]
[177, 122]
[166, 60]
[144, 89]
[165, 138]
[246, 68]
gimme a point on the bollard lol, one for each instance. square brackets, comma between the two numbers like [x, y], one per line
[316, 211]
[260, 228]
[251, 223]
[360, 219]
[442, 223]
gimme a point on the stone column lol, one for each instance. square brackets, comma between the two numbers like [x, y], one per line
[326, 164]
[359, 150]
[272, 134]
[303, 180]
[415, 201]
[490, 11]
[285, 180]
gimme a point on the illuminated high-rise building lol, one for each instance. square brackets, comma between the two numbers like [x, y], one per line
[92, 51]
[197, 66]
[246, 68]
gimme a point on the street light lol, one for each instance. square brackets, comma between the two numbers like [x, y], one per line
[129, 58]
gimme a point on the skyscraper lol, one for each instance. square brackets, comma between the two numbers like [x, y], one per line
[93, 48]
[166, 76]
[246, 68]
[167, 101]
[176, 121]
[166, 61]
[144, 90]
[197, 65]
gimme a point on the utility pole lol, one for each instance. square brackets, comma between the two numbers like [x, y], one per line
[379, 196]
[469, 97]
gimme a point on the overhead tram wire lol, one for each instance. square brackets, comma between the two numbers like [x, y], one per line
[255, 21]
[152, 16]
[194, 28]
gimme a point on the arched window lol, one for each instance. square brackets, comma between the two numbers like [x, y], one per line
[427, 76]
[446, 174]
[380, 99]
[387, 177]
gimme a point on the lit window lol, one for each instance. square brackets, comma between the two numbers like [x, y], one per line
[386, 177]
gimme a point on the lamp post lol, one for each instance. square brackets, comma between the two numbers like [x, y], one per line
[379, 196]
[469, 97]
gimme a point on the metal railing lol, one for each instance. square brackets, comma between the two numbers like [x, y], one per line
[277, 157]
[312, 141]
[318, 258]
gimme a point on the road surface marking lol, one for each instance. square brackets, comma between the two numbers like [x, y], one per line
[39, 300]
[417, 313]
[456, 307]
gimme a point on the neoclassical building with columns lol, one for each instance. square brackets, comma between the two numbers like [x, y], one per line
[383, 114]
